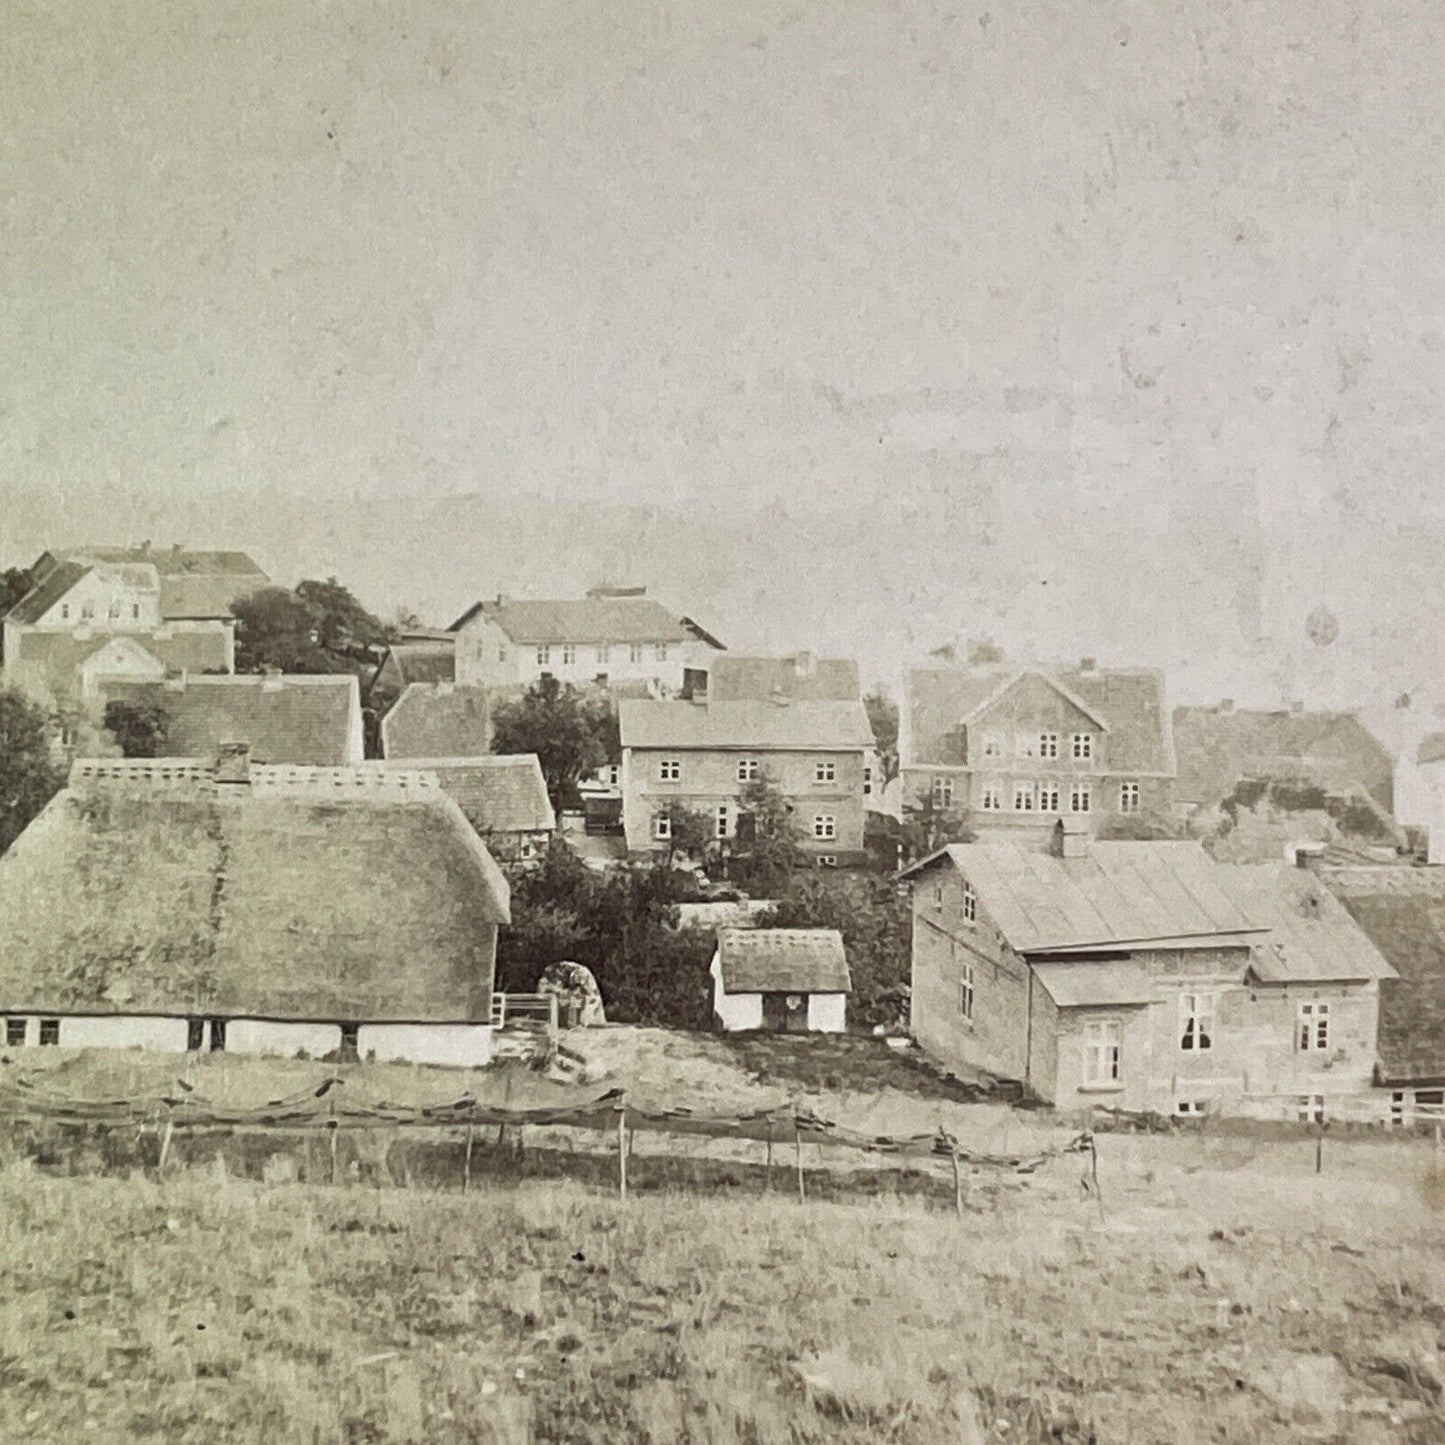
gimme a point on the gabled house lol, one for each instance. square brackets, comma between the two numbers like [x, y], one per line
[314, 720]
[1143, 976]
[403, 663]
[179, 905]
[1016, 747]
[703, 755]
[786, 980]
[439, 720]
[612, 635]
[800, 677]
[504, 797]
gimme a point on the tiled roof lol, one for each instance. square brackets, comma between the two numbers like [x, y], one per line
[1097, 984]
[438, 720]
[1129, 701]
[732, 677]
[309, 894]
[302, 719]
[1219, 747]
[1402, 909]
[582, 619]
[783, 960]
[764, 726]
[193, 584]
[498, 794]
[53, 585]
[1117, 893]
[408, 662]
[51, 661]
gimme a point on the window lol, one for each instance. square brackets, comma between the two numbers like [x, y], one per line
[1190, 1108]
[1101, 1051]
[350, 1052]
[993, 797]
[1083, 747]
[1311, 1108]
[943, 792]
[748, 771]
[195, 1035]
[722, 821]
[970, 902]
[1397, 1108]
[604, 653]
[1314, 1027]
[827, 860]
[1048, 745]
[15, 1032]
[1023, 797]
[965, 989]
[611, 773]
[992, 745]
[87, 612]
[938, 895]
[113, 612]
[1048, 797]
[135, 611]
[634, 652]
[867, 780]
[1196, 1022]
[662, 826]
[65, 612]
[1080, 800]
[501, 652]
[569, 652]
[670, 770]
[50, 1031]
[825, 825]
[544, 656]
[218, 1036]
[825, 770]
[660, 652]
[1128, 797]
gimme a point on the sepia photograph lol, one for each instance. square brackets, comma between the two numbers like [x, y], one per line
[722, 724]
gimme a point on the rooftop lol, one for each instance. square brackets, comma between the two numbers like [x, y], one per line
[605, 618]
[498, 794]
[801, 676]
[823, 726]
[193, 584]
[783, 960]
[438, 720]
[329, 894]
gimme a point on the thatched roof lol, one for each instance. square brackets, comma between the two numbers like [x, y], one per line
[332, 894]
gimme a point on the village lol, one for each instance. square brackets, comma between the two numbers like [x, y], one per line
[258, 821]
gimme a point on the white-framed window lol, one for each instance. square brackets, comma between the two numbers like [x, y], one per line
[1048, 797]
[1128, 797]
[634, 652]
[1083, 747]
[825, 825]
[825, 770]
[135, 611]
[970, 902]
[1102, 1050]
[15, 1030]
[569, 652]
[1310, 1108]
[659, 652]
[965, 988]
[748, 770]
[827, 860]
[669, 770]
[867, 780]
[65, 612]
[87, 612]
[544, 655]
[50, 1032]
[1080, 798]
[610, 774]
[1397, 1108]
[992, 745]
[604, 653]
[992, 797]
[1048, 745]
[1190, 1108]
[113, 612]
[943, 792]
[662, 826]
[721, 821]
[1313, 1032]
[1196, 1021]
[501, 651]
[1023, 797]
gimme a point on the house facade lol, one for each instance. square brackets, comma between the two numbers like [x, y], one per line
[1017, 747]
[174, 905]
[613, 635]
[1144, 977]
[703, 755]
[785, 980]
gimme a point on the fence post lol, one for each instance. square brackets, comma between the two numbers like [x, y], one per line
[1320, 1149]
[957, 1178]
[467, 1157]
[166, 1140]
[622, 1152]
[798, 1142]
[331, 1129]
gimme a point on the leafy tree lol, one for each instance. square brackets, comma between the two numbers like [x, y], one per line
[139, 728]
[29, 776]
[766, 853]
[930, 825]
[691, 834]
[318, 628]
[1146, 827]
[883, 718]
[572, 734]
[15, 582]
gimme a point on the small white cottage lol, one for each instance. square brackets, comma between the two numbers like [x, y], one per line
[789, 980]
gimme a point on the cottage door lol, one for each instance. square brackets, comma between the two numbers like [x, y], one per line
[785, 1013]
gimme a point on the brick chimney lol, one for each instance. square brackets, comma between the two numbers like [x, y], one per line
[1087, 664]
[233, 764]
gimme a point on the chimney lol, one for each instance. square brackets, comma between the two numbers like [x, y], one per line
[176, 549]
[145, 548]
[272, 680]
[805, 664]
[1086, 664]
[1071, 838]
[1296, 705]
[233, 765]
[1227, 705]
[175, 681]
[1303, 854]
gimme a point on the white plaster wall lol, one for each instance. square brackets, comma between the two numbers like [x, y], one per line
[164, 1035]
[265, 1036]
[827, 1012]
[734, 1011]
[458, 1045]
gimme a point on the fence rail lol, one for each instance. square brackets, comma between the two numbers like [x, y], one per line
[524, 1008]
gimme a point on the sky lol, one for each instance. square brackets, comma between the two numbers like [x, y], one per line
[1139, 302]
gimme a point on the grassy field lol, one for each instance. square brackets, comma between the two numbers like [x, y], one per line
[1215, 1290]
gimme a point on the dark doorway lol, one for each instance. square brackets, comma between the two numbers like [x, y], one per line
[785, 1013]
[195, 1035]
[218, 1036]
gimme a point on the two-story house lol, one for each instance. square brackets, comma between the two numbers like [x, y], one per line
[614, 635]
[1017, 747]
[704, 754]
[1143, 976]
[106, 614]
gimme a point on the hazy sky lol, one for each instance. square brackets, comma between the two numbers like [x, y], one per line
[1111, 281]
